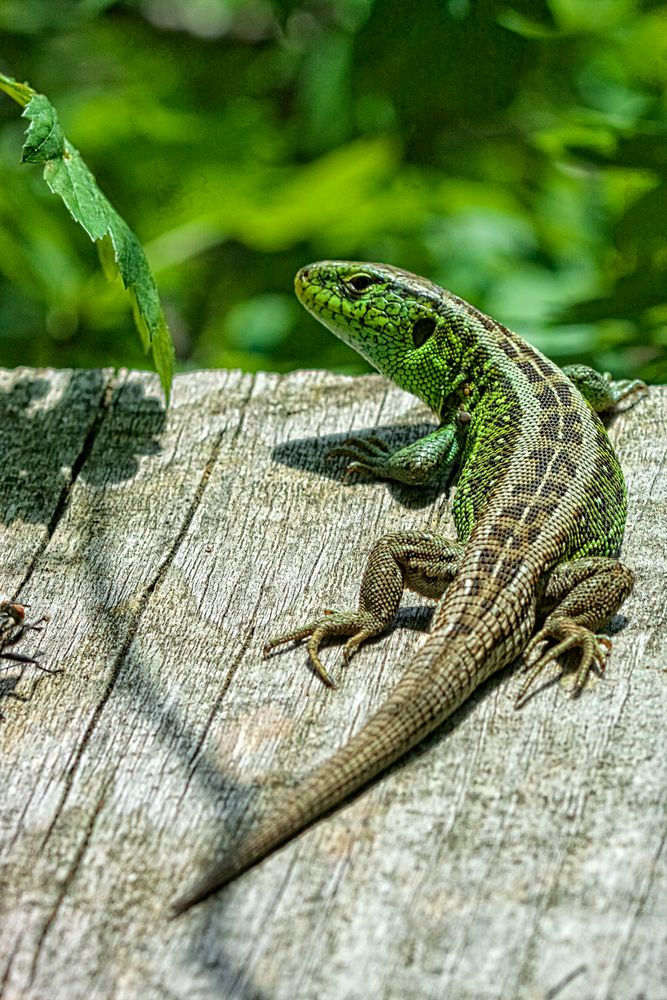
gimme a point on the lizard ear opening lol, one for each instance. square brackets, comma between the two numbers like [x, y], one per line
[422, 330]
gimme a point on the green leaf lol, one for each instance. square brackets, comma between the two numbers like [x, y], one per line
[120, 251]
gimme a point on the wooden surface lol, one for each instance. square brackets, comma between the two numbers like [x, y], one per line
[515, 855]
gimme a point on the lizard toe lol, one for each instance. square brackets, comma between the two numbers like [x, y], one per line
[569, 637]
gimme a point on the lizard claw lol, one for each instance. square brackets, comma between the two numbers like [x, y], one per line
[359, 625]
[370, 455]
[354, 468]
[371, 445]
[309, 632]
[593, 651]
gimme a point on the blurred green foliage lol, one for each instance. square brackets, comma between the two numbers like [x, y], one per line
[512, 150]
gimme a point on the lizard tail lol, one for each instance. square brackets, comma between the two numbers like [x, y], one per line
[433, 687]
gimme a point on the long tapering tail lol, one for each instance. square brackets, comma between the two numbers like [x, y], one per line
[435, 683]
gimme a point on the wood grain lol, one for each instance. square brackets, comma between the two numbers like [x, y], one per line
[515, 855]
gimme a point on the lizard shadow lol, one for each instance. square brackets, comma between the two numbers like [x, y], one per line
[311, 455]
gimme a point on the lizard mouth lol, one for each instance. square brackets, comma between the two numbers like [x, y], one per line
[304, 284]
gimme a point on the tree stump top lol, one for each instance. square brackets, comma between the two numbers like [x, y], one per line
[516, 854]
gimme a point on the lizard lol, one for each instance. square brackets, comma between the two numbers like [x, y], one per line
[539, 509]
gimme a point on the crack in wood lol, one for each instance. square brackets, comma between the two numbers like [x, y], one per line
[633, 923]
[8, 970]
[67, 881]
[243, 649]
[565, 981]
[133, 626]
[66, 492]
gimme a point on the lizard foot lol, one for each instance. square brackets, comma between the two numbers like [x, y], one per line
[370, 454]
[430, 458]
[569, 636]
[359, 625]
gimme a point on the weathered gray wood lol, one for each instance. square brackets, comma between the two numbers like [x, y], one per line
[518, 855]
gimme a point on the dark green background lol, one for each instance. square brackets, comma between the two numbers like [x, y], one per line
[512, 150]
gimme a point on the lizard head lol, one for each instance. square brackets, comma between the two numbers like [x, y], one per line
[399, 322]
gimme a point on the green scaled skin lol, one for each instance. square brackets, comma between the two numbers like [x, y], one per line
[540, 509]
[466, 369]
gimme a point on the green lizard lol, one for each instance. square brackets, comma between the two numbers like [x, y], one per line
[540, 509]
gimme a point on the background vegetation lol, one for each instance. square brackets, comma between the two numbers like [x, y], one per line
[512, 150]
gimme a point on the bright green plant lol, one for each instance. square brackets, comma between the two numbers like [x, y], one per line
[120, 251]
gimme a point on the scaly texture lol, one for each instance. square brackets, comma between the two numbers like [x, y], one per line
[540, 509]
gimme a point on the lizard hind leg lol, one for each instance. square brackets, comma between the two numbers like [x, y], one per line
[417, 561]
[599, 389]
[580, 597]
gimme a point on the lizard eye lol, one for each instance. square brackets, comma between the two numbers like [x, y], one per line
[359, 282]
[422, 330]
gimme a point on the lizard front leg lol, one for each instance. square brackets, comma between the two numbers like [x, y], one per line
[404, 560]
[579, 597]
[428, 459]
